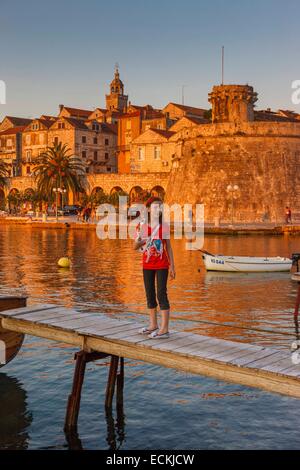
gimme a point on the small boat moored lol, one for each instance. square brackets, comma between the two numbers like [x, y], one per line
[245, 263]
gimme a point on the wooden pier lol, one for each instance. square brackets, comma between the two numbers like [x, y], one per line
[98, 336]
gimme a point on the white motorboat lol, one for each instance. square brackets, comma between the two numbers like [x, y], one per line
[245, 263]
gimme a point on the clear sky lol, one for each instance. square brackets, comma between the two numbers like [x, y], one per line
[64, 51]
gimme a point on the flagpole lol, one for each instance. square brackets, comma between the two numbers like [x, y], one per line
[222, 65]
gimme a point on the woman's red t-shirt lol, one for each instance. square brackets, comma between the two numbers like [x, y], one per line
[155, 255]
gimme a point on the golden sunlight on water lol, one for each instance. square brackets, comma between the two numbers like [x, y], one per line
[106, 276]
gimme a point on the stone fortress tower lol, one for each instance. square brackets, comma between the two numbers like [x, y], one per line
[256, 151]
[232, 103]
[116, 100]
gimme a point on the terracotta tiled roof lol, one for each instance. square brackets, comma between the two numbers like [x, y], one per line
[78, 123]
[129, 115]
[78, 112]
[266, 115]
[48, 118]
[13, 130]
[162, 132]
[17, 121]
[191, 109]
[288, 113]
[47, 122]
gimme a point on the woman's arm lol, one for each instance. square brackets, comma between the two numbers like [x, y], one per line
[171, 258]
[139, 243]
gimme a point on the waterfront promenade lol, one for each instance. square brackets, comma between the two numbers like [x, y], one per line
[72, 222]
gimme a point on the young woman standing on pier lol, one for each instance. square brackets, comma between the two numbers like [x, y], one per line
[158, 263]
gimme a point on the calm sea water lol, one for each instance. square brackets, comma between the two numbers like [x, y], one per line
[163, 408]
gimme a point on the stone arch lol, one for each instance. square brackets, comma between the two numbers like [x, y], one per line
[158, 191]
[97, 189]
[13, 203]
[116, 189]
[27, 204]
[135, 194]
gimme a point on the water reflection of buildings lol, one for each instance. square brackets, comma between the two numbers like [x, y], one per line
[29, 262]
[106, 276]
[15, 419]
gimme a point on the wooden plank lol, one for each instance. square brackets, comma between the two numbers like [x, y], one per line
[65, 319]
[260, 363]
[139, 337]
[226, 372]
[281, 365]
[25, 310]
[174, 345]
[238, 348]
[292, 371]
[74, 324]
[211, 351]
[100, 331]
[43, 331]
[231, 373]
[253, 356]
[120, 329]
[140, 340]
[232, 354]
[97, 327]
[45, 314]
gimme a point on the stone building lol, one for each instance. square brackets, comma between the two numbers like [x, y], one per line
[258, 152]
[132, 124]
[89, 134]
[95, 142]
[34, 142]
[152, 151]
[176, 111]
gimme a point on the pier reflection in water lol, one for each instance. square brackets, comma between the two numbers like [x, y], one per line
[15, 419]
[106, 277]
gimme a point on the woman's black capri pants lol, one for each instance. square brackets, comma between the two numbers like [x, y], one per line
[161, 276]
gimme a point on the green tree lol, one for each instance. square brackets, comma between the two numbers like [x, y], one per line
[114, 197]
[4, 174]
[57, 168]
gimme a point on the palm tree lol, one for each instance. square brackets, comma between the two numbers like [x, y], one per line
[4, 173]
[57, 168]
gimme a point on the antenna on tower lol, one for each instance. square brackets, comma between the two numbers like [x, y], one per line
[182, 93]
[223, 65]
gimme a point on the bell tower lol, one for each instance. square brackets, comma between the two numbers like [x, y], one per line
[116, 100]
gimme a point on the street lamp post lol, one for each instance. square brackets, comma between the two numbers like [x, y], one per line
[56, 208]
[232, 189]
[62, 191]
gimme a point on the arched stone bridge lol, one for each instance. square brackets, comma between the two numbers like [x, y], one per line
[156, 183]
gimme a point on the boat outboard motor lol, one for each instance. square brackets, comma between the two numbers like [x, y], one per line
[296, 258]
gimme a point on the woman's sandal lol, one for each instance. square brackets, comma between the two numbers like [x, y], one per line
[146, 331]
[155, 335]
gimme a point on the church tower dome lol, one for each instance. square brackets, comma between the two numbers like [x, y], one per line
[116, 100]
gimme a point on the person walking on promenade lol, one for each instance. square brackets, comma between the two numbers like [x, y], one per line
[158, 263]
[288, 215]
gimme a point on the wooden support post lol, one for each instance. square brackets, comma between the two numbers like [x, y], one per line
[74, 398]
[120, 383]
[111, 382]
[82, 358]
